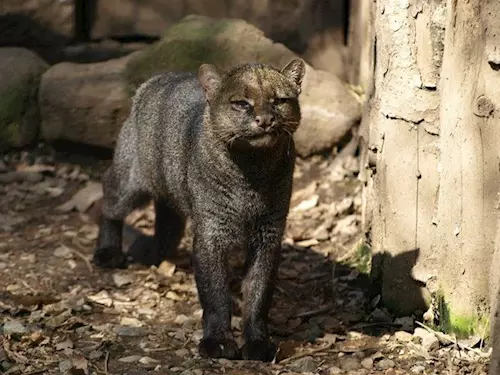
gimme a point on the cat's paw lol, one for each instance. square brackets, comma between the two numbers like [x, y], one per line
[109, 257]
[214, 348]
[145, 250]
[259, 350]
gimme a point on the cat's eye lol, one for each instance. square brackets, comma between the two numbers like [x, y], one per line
[280, 101]
[241, 105]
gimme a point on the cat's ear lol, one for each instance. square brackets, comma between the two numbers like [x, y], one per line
[210, 78]
[295, 71]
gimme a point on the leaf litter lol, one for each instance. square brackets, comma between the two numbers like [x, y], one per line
[59, 314]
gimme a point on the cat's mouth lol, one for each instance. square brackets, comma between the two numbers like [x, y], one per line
[261, 139]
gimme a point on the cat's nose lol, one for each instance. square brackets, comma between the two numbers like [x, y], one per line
[264, 121]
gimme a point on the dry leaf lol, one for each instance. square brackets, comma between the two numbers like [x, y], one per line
[166, 269]
[84, 198]
[66, 344]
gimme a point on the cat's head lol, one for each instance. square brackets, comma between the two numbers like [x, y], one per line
[253, 105]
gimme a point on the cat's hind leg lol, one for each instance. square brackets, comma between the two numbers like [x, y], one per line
[169, 228]
[122, 194]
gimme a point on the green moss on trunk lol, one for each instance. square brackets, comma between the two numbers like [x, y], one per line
[462, 326]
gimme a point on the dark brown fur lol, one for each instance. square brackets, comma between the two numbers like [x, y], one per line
[222, 153]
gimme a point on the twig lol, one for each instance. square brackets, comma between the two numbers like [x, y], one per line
[106, 360]
[81, 256]
[308, 314]
[305, 354]
[375, 324]
[153, 350]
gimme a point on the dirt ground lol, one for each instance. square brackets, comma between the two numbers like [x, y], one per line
[60, 314]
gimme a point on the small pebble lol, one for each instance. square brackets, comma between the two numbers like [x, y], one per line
[334, 371]
[407, 323]
[18, 176]
[130, 359]
[3, 265]
[182, 353]
[305, 364]
[367, 363]
[349, 364]
[63, 252]
[131, 322]
[429, 340]
[65, 366]
[13, 327]
[130, 331]
[403, 336]
[385, 364]
[418, 369]
[148, 360]
[176, 369]
[120, 279]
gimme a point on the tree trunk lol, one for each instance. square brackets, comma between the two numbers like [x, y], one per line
[431, 159]
[360, 57]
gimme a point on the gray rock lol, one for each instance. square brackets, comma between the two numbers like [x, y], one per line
[429, 340]
[65, 366]
[334, 371]
[367, 363]
[130, 359]
[13, 327]
[403, 336]
[305, 364]
[120, 279]
[84, 103]
[130, 331]
[19, 78]
[379, 315]
[407, 323]
[417, 369]
[63, 252]
[350, 364]
[20, 176]
[385, 364]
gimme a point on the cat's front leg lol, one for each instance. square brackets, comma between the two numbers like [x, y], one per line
[262, 265]
[212, 240]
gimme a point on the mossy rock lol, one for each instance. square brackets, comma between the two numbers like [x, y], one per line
[19, 81]
[197, 39]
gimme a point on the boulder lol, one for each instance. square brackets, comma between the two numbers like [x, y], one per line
[44, 26]
[84, 103]
[19, 81]
[290, 22]
[88, 102]
[329, 110]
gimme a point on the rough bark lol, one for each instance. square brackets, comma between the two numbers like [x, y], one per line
[470, 136]
[431, 159]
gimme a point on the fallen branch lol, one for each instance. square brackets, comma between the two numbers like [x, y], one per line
[106, 361]
[308, 314]
[305, 354]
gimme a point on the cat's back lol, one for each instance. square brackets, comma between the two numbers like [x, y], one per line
[166, 117]
[168, 100]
